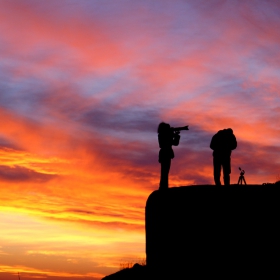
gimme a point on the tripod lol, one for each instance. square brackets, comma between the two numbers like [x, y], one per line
[241, 177]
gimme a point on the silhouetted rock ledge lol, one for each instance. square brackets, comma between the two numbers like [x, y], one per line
[198, 232]
[137, 272]
[219, 231]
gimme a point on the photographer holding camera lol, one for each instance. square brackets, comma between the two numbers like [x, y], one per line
[167, 137]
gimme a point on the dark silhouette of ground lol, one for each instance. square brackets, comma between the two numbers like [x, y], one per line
[137, 272]
[205, 232]
[213, 231]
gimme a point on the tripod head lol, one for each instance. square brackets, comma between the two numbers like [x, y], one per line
[242, 171]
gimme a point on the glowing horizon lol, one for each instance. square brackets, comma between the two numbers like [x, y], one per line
[84, 86]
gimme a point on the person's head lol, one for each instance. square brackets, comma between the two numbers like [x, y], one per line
[229, 131]
[163, 127]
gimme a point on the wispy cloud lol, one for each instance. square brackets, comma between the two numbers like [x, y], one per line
[22, 174]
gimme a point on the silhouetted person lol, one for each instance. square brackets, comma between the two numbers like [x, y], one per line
[167, 137]
[223, 142]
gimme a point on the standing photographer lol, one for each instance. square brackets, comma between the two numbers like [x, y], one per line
[222, 143]
[167, 137]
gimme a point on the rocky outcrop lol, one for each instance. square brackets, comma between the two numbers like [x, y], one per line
[137, 272]
[200, 231]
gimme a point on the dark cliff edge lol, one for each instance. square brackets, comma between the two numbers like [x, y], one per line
[198, 232]
[202, 231]
[137, 272]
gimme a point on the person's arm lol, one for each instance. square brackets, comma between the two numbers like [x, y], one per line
[233, 142]
[176, 139]
[160, 141]
[213, 143]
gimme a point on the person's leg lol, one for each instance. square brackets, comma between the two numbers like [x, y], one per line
[165, 167]
[226, 171]
[217, 170]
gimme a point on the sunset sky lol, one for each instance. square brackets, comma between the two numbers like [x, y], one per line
[83, 87]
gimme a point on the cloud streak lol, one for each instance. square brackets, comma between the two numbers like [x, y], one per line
[22, 174]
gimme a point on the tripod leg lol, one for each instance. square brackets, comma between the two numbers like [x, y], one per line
[244, 181]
